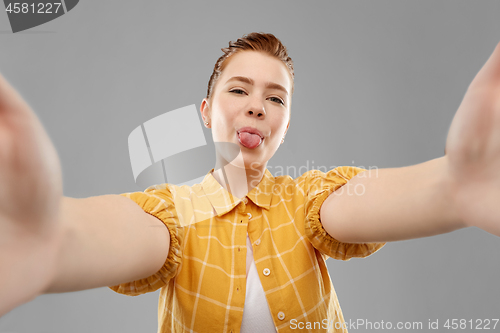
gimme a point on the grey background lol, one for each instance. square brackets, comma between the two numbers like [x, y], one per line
[377, 84]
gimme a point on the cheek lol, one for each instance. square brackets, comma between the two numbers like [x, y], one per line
[225, 107]
[228, 108]
[280, 121]
[224, 113]
[230, 103]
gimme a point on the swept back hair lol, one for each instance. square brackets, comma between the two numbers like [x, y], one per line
[255, 41]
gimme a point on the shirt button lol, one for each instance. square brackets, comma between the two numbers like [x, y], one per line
[249, 216]
[266, 271]
[257, 242]
[281, 315]
[245, 201]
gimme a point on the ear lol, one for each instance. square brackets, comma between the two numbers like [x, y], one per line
[205, 111]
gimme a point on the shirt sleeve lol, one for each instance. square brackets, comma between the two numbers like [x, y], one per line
[159, 203]
[319, 185]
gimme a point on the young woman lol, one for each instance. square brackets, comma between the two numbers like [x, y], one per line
[242, 251]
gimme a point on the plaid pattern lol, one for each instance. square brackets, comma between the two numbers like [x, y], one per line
[203, 280]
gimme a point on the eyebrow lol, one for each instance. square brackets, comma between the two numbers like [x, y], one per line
[248, 80]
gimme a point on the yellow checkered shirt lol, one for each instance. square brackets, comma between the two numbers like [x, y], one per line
[203, 280]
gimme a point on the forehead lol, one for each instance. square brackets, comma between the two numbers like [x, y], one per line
[257, 66]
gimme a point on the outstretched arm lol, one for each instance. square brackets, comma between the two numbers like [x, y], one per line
[50, 243]
[393, 204]
[458, 190]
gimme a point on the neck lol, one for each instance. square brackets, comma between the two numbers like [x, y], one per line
[236, 178]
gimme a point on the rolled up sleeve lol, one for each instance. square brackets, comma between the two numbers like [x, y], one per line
[319, 185]
[159, 203]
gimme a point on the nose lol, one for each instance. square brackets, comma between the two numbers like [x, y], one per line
[256, 109]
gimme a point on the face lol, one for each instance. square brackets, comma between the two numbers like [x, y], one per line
[250, 106]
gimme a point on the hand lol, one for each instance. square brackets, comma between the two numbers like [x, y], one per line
[30, 173]
[30, 192]
[473, 149]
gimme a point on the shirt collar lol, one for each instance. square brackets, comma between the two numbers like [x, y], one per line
[223, 201]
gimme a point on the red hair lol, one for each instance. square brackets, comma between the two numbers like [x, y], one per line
[255, 41]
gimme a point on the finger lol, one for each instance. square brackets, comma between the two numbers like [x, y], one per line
[15, 113]
[20, 127]
[10, 100]
[490, 72]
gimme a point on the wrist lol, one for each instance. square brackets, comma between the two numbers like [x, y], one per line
[453, 193]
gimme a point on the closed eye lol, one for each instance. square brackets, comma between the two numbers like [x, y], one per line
[237, 91]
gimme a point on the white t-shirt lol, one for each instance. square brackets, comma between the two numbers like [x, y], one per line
[256, 314]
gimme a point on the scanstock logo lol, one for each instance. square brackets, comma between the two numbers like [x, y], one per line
[171, 148]
[28, 14]
[172, 133]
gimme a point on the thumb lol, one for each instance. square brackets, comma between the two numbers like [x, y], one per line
[10, 100]
[490, 72]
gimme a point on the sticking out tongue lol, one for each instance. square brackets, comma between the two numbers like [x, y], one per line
[249, 140]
